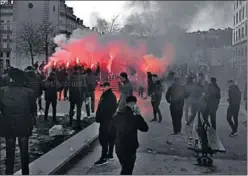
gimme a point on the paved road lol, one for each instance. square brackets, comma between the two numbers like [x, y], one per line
[174, 158]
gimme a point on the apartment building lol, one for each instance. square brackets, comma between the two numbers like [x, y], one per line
[6, 30]
[239, 36]
[55, 12]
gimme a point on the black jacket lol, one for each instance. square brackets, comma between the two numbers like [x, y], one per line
[213, 96]
[234, 95]
[17, 105]
[156, 91]
[175, 95]
[126, 125]
[51, 86]
[107, 107]
[91, 80]
[34, 82]
[77, 88]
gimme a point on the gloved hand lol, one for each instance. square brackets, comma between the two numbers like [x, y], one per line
[136, 110]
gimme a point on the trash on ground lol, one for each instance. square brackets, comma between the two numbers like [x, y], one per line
[56, 130]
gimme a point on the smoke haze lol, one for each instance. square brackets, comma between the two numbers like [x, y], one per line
[189, 15]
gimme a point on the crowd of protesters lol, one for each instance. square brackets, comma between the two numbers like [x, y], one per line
[119, 120]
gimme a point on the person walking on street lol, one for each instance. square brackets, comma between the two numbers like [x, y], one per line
[106, 109]
[51, 86]
[187, 90]
[34, 82]
[126, 123]
[197, 97]
[62, 77]
[77, 94]
[156, 96]
[17, 106]
[149, 83]
[175, 97]
[91, 81]
[125, 89]
[66, 84]
[234, 99]
[213, 100]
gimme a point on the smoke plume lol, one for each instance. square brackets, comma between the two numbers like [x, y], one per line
[115, 54]
[189, 15]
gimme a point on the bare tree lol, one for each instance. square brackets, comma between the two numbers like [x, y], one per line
[108, 27]
[149, 24]
[114, 25]
[142, 25]
[28, 41]
[47, 32]
[102, 25]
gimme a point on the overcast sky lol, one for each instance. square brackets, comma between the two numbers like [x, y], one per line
[105, 9]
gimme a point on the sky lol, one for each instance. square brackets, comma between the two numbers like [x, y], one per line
[106, 9]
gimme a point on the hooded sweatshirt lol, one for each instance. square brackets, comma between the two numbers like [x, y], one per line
[126, 125]
[34, 82]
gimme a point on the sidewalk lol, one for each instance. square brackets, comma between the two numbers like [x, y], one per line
[160, 164]
[156, 156]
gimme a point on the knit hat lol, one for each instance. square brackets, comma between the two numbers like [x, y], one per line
[17, 75]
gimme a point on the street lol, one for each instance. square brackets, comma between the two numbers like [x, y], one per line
[157, 156]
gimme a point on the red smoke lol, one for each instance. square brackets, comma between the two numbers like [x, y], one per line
[115, 56]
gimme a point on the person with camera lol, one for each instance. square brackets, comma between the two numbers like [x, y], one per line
[126, 122]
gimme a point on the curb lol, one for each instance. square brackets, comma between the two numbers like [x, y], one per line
[58, 157]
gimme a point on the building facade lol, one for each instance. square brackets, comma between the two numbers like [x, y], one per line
[6, 30]
[56, 13]
[239, 37]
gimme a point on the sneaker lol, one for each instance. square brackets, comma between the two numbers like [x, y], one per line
[110, 157]
[101, 162]
[233, 134]
[153, 120]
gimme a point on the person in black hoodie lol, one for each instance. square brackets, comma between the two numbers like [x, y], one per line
[156, 96]
[149, 83]
[234, 99]
[77, 94]
[175, 97]
[51, 86]
[17, 106]
[213, 100]
[126, 122]
[106, 109]
[34, 82]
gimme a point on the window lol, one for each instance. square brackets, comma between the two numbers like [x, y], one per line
[242, 32]
[245, 52]
[233, 36]
[241, 52]
[240, 15]
[237, 18]
[239, 35]
[54, 8]
[8, 62]
[243, 13]
[237, 4]
[246, 10]
[234, 21]
[1, 54]
[8, 54]
[245, 29]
